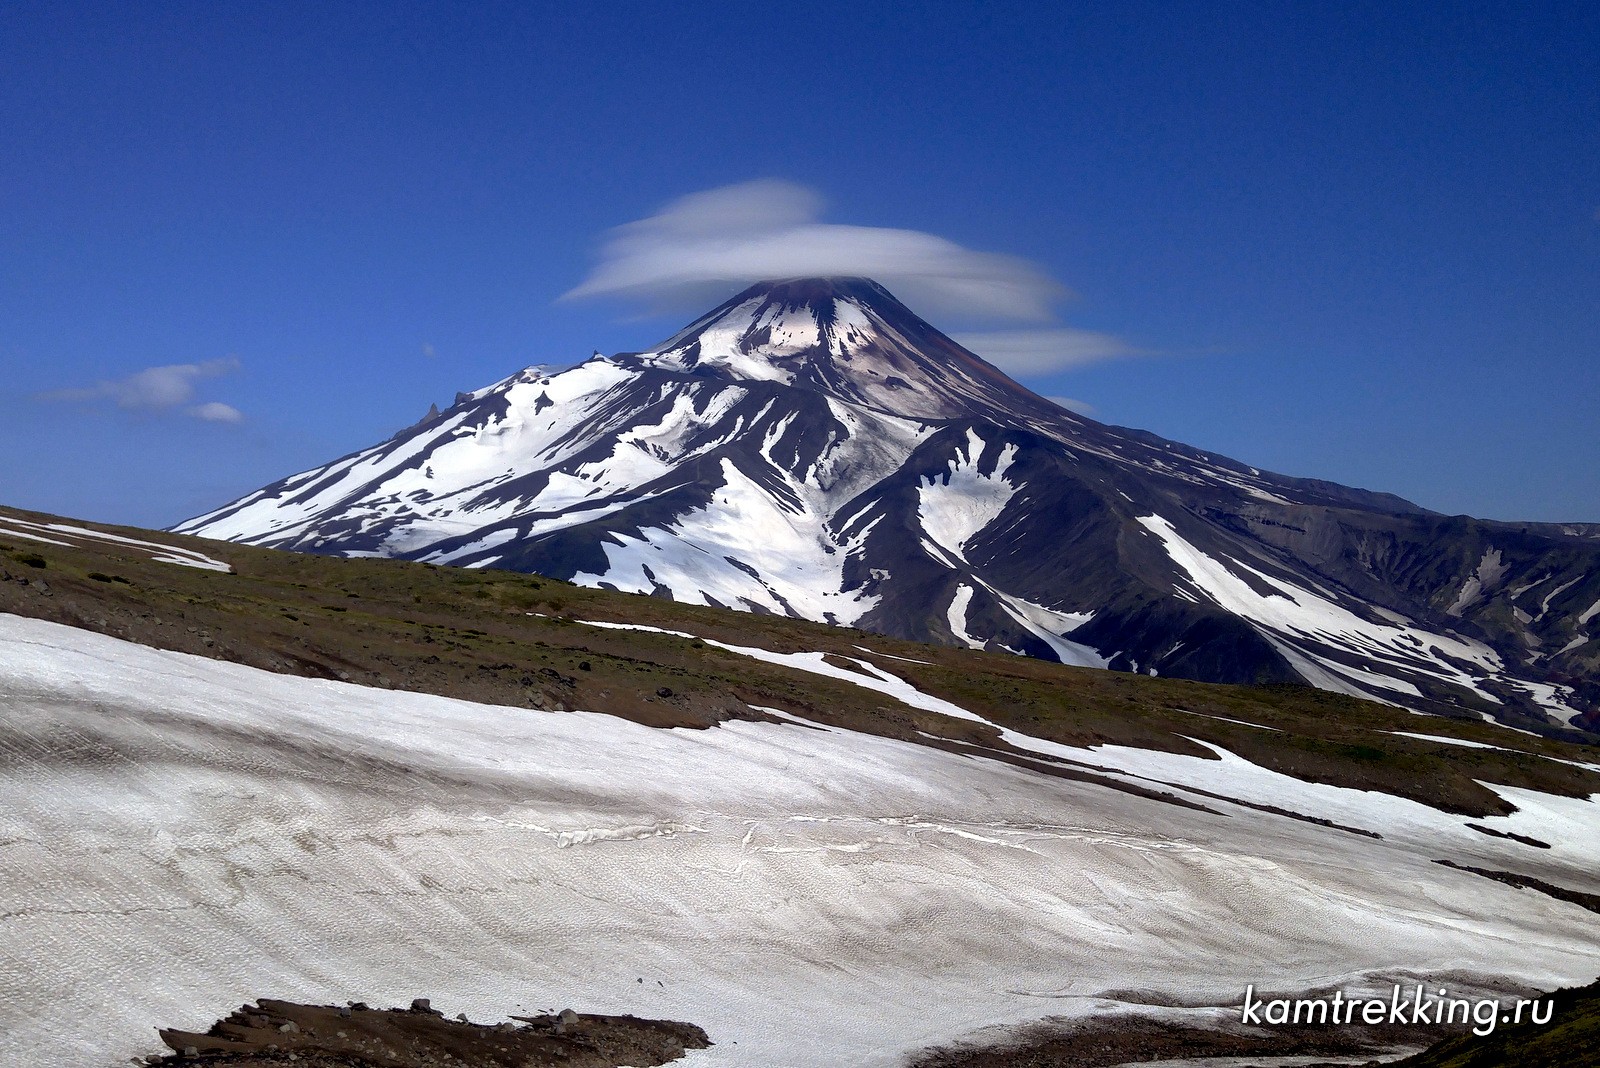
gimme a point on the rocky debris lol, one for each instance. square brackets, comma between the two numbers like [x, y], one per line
[271, 1033]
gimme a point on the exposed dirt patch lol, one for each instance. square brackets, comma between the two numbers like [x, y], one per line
[847, 664]
[1510, 836]
[1528, 882]
[354, 1036]
[1114, 1040]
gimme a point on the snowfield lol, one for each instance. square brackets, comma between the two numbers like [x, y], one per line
[181, 835]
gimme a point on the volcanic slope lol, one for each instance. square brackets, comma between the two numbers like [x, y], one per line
[812, 448]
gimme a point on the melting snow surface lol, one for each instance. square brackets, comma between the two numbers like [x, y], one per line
[181, 835]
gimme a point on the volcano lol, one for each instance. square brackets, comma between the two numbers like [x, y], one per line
[813, 448]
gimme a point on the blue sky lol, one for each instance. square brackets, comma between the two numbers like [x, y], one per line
[1353, 242]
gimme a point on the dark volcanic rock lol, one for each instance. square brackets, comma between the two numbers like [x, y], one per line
[356, 1036]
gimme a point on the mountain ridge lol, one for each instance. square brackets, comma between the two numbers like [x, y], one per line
[813, 448]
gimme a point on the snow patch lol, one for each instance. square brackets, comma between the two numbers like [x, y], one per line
[744, 549]
[956, 616]
[1446, 740]
[955, 508]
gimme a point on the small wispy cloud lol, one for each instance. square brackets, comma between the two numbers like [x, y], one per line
[1029, 353]
[169, 388]
[216, 412]
[706, 242]
[1072, 404]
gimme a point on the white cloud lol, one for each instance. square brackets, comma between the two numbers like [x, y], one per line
[216, 412]
[159, 389]
[1042, 352]
[745, 233]
[1072, 404]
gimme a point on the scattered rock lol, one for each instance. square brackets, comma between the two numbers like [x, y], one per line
[275, 1032]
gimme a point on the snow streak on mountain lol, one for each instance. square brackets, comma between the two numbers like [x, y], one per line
[813, 448]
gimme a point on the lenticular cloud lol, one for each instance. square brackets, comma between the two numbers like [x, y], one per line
[1030, 353]
[752, 231]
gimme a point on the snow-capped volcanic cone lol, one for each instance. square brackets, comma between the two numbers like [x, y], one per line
[813, 448]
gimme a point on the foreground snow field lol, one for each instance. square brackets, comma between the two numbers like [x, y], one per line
[180, 835]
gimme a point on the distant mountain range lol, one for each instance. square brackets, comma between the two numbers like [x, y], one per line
[813, 448]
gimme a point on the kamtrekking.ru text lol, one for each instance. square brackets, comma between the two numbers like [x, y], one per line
[1405, 1006]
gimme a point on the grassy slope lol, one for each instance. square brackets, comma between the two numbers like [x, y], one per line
[470, 634]
[1570, 1040]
